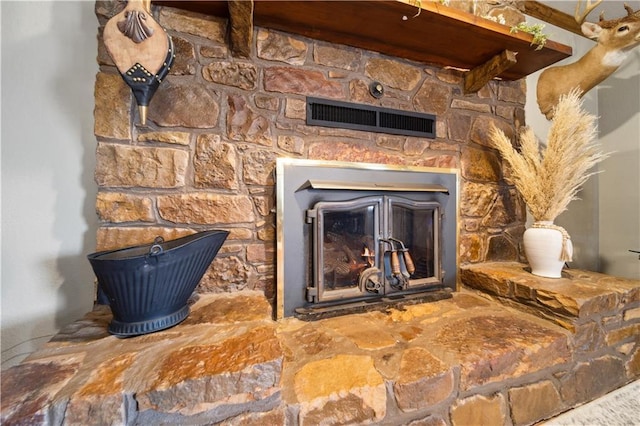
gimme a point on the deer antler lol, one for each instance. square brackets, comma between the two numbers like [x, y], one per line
[631, 16]
[629, 10]
[580, 18]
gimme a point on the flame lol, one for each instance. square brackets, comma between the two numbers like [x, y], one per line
[369, 255]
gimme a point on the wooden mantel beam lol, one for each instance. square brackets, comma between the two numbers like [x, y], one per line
[241, 27]
[425, 38]
[476, 78]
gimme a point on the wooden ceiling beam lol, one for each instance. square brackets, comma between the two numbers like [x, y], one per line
[552, 16]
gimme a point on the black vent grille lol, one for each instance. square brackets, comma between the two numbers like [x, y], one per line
[344, 115]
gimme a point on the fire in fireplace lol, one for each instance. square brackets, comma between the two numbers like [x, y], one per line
[352, 236]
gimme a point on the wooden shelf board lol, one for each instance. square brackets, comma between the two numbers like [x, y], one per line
[439, 35]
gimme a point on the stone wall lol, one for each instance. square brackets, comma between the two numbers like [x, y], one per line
[217, 123]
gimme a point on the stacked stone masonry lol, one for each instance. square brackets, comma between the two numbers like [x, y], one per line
[466, 360]
[218, 123]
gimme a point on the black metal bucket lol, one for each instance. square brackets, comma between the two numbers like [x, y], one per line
[148, 286]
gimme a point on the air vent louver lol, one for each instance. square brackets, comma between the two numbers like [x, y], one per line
[344, 115]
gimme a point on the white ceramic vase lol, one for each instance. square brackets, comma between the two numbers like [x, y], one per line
[543, 245]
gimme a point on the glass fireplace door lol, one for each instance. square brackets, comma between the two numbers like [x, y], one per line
[345, 236]
[373, 246]
[412, 229]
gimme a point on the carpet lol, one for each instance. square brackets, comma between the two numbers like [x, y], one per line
[618, 408]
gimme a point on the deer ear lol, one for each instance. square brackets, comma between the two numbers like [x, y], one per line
[591, 30]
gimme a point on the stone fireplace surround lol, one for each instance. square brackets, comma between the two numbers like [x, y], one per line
[508, 348]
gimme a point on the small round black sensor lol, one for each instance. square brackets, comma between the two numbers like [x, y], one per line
[376, 89]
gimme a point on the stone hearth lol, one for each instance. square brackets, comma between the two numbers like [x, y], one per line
[521, 350]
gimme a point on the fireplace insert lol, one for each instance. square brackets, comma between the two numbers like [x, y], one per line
[355, 236]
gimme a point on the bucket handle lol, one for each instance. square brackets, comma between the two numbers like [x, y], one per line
[156, 248]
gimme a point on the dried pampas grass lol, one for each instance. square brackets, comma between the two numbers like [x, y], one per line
[549, 178]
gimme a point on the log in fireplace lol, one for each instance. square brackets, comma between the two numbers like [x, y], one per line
[356, 236]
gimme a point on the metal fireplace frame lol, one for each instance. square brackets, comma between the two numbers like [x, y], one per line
[295, 190]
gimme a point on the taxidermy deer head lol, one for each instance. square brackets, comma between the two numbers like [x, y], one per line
[616, 38]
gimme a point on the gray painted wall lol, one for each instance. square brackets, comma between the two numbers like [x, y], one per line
[619, 183]
[48, 156]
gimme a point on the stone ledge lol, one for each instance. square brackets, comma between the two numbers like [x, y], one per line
[452, 362]
[570, 301]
